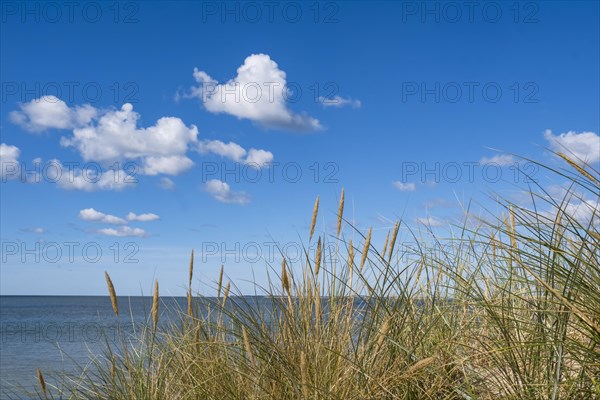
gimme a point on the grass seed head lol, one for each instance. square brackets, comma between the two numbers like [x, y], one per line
[365, 252]
[318, 257]
[155, 305]
[285, 280]
[314, 218]
[220, 285]
[340, 213]
[191, 268]
[112, 293]
[42, 382]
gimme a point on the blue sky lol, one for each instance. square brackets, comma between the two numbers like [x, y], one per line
[378, 93]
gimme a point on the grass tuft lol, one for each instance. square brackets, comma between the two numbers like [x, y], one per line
[507, 309]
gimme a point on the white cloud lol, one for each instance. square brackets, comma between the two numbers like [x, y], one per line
[49, 112]
[110, 136]
[142, 217]
[9, 161]
[89, 214]
[171, 165]
[585, 146]
[501, 160]
[339, 101]
[123, 231]
[229, 150]
[430, 221]
[404, 187]
[259, 158]
[161, 148]
[253, 157]
[90, 180]
[65, 177]
[222, 192]
[258, 93]
[166, 183]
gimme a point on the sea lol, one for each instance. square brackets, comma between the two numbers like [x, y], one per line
[61, 334]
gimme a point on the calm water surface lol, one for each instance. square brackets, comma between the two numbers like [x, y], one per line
[55, 333]
[62, 333]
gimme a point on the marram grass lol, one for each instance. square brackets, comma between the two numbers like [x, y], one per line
[512, 312]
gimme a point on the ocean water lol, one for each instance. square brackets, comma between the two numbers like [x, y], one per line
[60, 334]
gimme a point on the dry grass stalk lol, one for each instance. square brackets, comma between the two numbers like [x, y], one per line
[318, 257]
[190, 308]
[155, 305]
[578, 167]
[314, 219]
[285, 280]
[512, 229]
[385, 245]
[350, 262]
[304, 375]
[365, 252]
[247, 345]
[42, 382]
[340, 213]
[560, 230]
[419, 365]
[317, 305]
[197, 339]
[393, 240]
[226, 293]
[112, 293]
[191, 268]
[350, 254]
[382, 334]
[220, 282]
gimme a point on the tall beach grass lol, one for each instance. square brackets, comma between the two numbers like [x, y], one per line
[511, 310]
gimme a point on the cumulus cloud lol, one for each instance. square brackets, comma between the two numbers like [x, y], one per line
[229, 150]
[501, 160]
[142, 217]
[258, 93]
[404, 187]
[123, 231]
[259, 158]
[108, 136]
[171, 165]
[584, 146]
[339, 102]
[90, 214]
[49, 112]
[9, 161]
[253, 157]
[91, 180]
[222, 192]
[161, 148]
